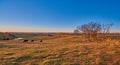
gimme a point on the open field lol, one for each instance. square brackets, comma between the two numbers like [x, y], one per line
[59, 50]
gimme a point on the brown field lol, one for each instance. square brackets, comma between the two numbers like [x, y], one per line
[59, 50]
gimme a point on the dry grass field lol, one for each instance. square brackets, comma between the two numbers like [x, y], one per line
[59, 50]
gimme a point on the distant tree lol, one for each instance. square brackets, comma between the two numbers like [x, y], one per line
[91, 30]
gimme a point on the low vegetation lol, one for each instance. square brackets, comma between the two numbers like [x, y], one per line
[60, 49]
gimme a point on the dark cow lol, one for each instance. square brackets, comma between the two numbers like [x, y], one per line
[41, 40]
[32, 40]
[25, 40]
[7, 39]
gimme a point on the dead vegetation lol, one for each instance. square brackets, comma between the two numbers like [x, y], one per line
[60, 50]
[94, 31]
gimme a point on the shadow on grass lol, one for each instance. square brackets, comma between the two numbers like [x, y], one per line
[11, 63]
[6, 46]
[23, 58]
[52, 62]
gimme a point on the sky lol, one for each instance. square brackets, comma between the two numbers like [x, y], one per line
[56, 15]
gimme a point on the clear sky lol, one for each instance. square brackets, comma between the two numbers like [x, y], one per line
[56, 15]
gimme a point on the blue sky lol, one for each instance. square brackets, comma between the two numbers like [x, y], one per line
[56, 15]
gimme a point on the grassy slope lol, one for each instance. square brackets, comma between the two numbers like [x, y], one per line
[59, 50]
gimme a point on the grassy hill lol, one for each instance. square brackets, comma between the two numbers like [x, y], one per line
[6, 35]
[60, 50]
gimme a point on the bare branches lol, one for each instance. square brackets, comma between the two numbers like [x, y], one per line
[106, 27]
[92, 29]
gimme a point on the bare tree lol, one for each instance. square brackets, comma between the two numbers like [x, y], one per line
[91, 30]
[106, 27]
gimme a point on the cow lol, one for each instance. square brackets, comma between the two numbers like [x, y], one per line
[41, 40]
[32, 40]
[25, 40]
[7, 39]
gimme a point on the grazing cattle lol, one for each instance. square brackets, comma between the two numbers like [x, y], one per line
[32, 40]
[41, 40]
[6, 39]
[25, 41]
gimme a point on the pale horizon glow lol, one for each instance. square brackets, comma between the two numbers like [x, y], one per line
[33, 30]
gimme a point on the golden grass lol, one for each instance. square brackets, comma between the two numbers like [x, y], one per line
[60, 50]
